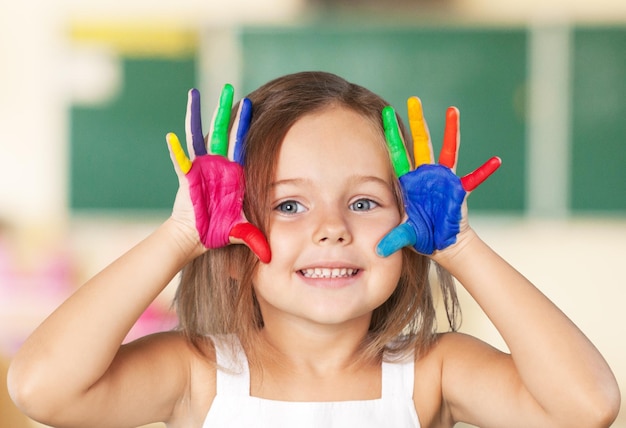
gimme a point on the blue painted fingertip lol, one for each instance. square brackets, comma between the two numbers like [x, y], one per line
[401, 236]
[245, 116]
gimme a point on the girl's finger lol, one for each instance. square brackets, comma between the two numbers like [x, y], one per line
[401, 236]
[451, 139]
[397, 151]
[218, 140]
[193, 125]
[422, 147]
[480, 174]
[240, 125]
[179, 158]
[246, 233]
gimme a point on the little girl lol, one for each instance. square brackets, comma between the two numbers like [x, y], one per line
[324, 318]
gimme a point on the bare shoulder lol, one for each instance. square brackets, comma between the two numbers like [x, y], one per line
[427, 388]
[467, 358]
[455, 346]
[447, 361]
[203, 379]
[184, 369]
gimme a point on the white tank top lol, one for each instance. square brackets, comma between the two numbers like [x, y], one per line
[234, 407]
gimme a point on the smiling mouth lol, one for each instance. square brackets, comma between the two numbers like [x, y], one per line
[328, 272]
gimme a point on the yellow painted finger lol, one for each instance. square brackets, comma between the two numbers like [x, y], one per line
[422, 147]
[179, 154]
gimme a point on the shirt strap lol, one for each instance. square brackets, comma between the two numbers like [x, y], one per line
[233, 373]
[398, 378]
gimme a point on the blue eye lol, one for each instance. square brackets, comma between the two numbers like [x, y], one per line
[363, 205]
[290, 207]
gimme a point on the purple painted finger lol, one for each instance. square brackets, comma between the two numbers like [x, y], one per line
[195, 124]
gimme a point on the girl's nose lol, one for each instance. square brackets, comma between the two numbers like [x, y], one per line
[332, 229]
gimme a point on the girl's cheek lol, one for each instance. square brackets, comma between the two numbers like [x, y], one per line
[280, 233]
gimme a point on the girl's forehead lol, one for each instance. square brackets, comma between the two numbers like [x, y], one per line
[335, 120]
[335, 137]
[336, 124]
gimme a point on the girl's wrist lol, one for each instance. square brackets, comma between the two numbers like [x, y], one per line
[185, 237]
[453, 254]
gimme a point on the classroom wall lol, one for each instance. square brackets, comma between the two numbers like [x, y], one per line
[56, 86]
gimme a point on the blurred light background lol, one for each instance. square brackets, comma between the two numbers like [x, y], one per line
[88, 90]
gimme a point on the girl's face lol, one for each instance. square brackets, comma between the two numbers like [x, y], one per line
[332, 201]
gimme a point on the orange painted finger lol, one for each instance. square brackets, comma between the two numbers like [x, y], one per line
[448, 155]
[422, 147]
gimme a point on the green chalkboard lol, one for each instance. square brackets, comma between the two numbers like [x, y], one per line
[598, 181]
[481, 71]
[118, 157]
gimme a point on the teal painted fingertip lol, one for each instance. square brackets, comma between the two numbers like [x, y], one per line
[399, 237]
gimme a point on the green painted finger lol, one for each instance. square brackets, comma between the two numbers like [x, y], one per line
[219, 129]
[395, 144]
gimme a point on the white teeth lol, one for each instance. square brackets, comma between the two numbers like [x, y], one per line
[328, 273]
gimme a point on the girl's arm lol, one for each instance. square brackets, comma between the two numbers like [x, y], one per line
[554, 375]
[72, 372]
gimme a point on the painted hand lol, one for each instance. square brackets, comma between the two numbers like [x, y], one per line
[215, 181]
[433, 194]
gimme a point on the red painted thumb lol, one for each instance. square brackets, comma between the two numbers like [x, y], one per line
[252, 237]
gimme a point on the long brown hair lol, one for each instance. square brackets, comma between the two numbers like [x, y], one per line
[216, 295]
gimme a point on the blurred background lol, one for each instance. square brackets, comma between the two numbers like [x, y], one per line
[89, 88]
